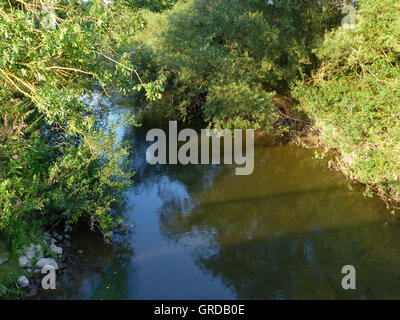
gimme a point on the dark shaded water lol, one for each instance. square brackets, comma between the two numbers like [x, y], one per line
[201, 232]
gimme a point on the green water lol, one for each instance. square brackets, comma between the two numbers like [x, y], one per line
[201, 232]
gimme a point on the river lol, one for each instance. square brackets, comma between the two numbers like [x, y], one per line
[202, 232]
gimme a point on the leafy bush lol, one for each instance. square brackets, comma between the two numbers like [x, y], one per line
[153, 5]
[224, 60]
[354, 96]
[55, 162]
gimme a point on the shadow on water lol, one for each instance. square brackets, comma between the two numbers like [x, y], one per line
[287, 251]
[201, 232]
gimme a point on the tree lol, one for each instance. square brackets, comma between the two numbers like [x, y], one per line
[353, 96]
[226, 60]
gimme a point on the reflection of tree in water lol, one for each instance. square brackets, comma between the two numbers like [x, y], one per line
[283, 232]
[97, 270]
[289, 244]
[193, 178]
[114, 280]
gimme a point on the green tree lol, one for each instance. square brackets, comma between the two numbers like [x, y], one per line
[55, 162]
[226, 60]
[354, 96]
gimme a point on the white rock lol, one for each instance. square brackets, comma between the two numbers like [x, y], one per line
[30, 252]
[46, 235]
[23, 282]
[23, 262]
[47, 261]
[33, 250]
[3, 260]
[55, 249]
[53, 241]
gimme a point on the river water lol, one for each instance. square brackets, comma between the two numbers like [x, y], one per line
[202, 232]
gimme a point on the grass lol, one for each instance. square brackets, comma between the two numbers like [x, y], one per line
[9, 271]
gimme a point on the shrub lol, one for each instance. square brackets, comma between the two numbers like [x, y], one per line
[55, 162]
[224, 60]
[354, 96]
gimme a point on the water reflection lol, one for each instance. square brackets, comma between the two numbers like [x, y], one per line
[286, 231]
[201, 232]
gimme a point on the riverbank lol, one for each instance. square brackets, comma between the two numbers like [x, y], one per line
[21, 271]
[288, 228]
[344, 80]
[353, 98]
[347, 163]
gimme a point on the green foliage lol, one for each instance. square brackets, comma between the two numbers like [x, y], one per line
[9, 272]
[225, 59]
[354, 95]
[153, 5]
[55, 162]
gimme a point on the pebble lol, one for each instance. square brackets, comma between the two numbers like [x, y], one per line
[23, 282]
[24, 262]
[55, 249]
[33, 250]
[47, 261]
[3, 260]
